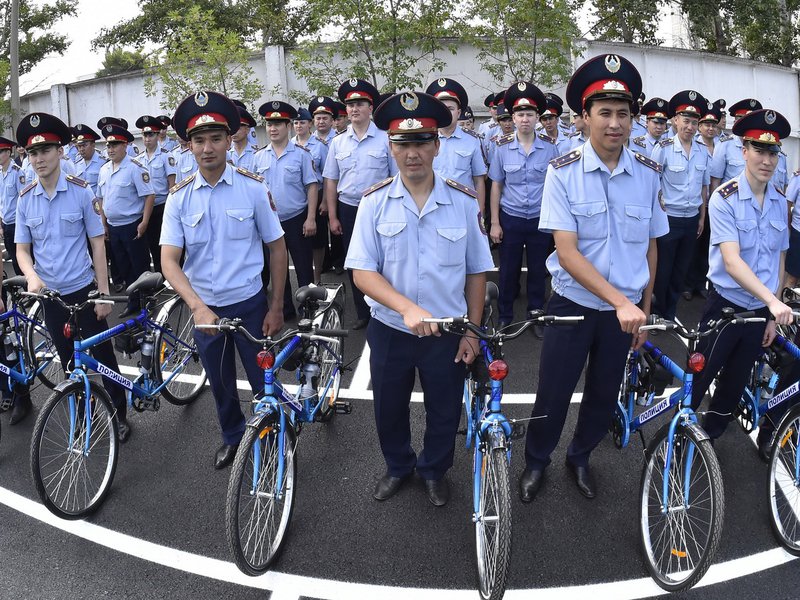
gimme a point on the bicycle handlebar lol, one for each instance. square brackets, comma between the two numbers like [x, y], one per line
[235, 325]
[94, 298]
[654, 322]
[535, 318]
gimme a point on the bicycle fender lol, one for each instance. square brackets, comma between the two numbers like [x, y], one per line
[698, 431]
[73, 379]
[256, 420]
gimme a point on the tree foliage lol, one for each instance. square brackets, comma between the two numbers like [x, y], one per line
[36, 38]
[201, 58]
[393, 44]
[529, 40]
[119, 60]
[629, 21]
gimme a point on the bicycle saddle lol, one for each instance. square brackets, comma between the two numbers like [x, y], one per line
[19, 281]
[147, 282]
[491, 292]
[311, 293]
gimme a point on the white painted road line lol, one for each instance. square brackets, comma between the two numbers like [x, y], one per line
[290, 587]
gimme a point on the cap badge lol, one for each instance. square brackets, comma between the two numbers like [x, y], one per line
[521, 86]
[274, 115]
[710, 105]
[612, 63]
[109, 128]
[146, 119]
[37, 139]
[767, 137]
[320, 99]
[201, 99]
[204, 119]
[660, 103]
[692, 95]
[34, 121]
[409, 101]
[353, 82]
[752, 102]
[409, 124]
[442, 82]
[690, 109]
[613, 85]
[769, 117]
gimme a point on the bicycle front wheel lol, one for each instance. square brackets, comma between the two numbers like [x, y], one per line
[784, 483]
[40, 349]
[260, 500]
[680, 532]
[493, 523]
[330, 354]
[74, 454]
[176, 352]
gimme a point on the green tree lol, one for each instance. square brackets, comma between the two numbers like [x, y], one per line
[529, 40]
[393, 44]
[629, 21]
[201, 58]
[5, 102]
[119, 60]
[709, 24]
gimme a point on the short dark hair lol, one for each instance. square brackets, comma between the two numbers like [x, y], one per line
[589, 102]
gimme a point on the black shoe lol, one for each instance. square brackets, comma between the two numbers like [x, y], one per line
[438, 491]
[123, 429]
[583, 479]
[388, 486]
[225, 455]
[360, 324]
[129, 312]
[21, 409]
[538, 332]
[687, 295]
[530, 483]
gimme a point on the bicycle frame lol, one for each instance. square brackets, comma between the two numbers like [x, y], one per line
[760, 408]
[24, 375]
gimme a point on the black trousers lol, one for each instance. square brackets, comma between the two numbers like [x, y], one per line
[347, 217]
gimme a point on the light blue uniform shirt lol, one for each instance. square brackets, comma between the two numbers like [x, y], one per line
[168, 144]
[71, 152]
[460, 157]
[123, 191]
[57, 228]
[186, 164]
[577, 140]
[357, 165]
[793, 196]
[645, 144]
[563, 143]
[488, 128]
[614, 214]
[90, 173]
[682, 177]
[762, 234]
[425, 255]
[780, 179]
[160, 166]
[637, 129]
[287, 176]
[319, 152]
[222, 229]
[522, 175]
[12, 182]
[67, 167]
[727, 161]
[245, 160]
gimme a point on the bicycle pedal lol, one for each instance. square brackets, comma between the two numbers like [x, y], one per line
[6, 404]
[145, 404]
[517, 431]
[342, 408]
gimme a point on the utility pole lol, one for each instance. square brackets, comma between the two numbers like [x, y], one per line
[14, 64]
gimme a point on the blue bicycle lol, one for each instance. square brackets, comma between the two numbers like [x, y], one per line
[261, 489]
[74, 447]
[682, 499]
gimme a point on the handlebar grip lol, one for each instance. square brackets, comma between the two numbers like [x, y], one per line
[652, 320]
[332, 332]
[745, 315]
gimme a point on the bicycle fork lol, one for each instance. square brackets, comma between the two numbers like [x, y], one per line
[280, 467]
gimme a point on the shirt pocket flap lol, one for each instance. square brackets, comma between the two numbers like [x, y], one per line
[511, 168]
[191, 220]
[35, 221]
[587, 209]
[676, 168]
[240, 214]
[452, 233]
[377, 153]
[71, 217]
[700, 167]
[464, 153]
[342, 155]
[390, 229]
[746, 225]
[640, 213]
[777, 224]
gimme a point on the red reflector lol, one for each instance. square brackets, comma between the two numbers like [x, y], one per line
[697, 362]
[69, 331]
[498, 370]
[265, 360]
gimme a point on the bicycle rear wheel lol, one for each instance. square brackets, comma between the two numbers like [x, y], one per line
[39, 348]
[783, 485]
[72, 479]
[257, 515]
[329, 354]
[493, 523]
[681, 539]
[176, 351]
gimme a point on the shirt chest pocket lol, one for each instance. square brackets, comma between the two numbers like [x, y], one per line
[748, 233]
[11, 190]
[451, 246]
[699, 173]
[637, 223]
[292, 173]
[776, 234]
[377, 160]
[156, 169]
[193, 226]
[37, 227]
[591, 219]
[393, 241]
[239, 223]
[677, 174]
[345, 161]
[514, 173]
[462, 160]
[71, 224]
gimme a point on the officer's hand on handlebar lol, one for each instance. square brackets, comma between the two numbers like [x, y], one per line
[206, 316]
[35, 285]
[101, 311]
[630, 317]
[413, 320]
[781, 312]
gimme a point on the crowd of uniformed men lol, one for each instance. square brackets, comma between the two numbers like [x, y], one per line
[625, 209]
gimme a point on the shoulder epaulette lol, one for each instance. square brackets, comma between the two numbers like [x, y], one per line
[547, 138]
[250, 174]
[666, 142]
[699, 141]
[648, 162]
[565, 159]
[377, 186]
[254, 147]
[77, 181]
[573, 134]
[14, 165]
[182, 183]
[727, 138]
[303, 147]
[727, 189]
[321, 141]
[137, 163]
[340, 132]
[640, 141]
[184, 151]
[28, 187]
[474, 134]
[796, 173]
[505, 139]
[163, 149]
[462, 188]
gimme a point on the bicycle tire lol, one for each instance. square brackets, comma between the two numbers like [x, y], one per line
[672, 563]
[39, 347]
[176, 349]
[256, 526]
[331, 319]
[54, 460]
[493, 525]
[783, 491]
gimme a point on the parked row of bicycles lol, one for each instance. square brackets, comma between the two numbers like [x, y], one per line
[74, 447]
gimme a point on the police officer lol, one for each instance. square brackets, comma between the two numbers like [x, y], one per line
[322, 110]
[55, 217]
[551, 122]
[637, 129]
[12, 181]
[684, 194]
[656, 114]
[466, 120]
[793, 254]
[221, 216]
[418, 251]
[164, 141]
[357, 159]
[460, 156]
[288, 171]
[243, 153]
[517, 171]
[727, 161]
[487, 128]
[581, 134]
[126, 197]
[601, 204]
[340, 119]
[185, 162]
[87, 167]
[749, 238]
